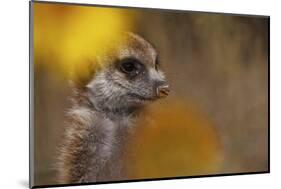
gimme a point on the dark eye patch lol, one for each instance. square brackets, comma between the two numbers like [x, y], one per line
[131, 66]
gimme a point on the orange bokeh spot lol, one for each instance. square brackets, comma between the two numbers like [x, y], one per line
[175, 140]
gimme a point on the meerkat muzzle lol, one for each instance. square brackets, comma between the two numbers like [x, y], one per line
[163, 91]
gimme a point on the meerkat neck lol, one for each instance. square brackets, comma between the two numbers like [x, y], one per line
[98, 144]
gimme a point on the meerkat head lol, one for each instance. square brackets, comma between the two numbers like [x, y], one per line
[129, 78]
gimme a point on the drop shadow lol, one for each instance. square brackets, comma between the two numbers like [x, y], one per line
[24, 183]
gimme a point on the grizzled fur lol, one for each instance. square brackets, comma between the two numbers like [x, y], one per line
[103, 113]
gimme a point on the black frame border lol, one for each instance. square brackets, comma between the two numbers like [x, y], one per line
[31, 97]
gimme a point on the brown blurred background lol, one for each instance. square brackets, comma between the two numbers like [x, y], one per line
[216, 119]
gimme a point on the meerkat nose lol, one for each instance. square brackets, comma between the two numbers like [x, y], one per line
[163, 91]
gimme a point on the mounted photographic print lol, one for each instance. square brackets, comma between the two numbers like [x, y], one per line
[120, 94]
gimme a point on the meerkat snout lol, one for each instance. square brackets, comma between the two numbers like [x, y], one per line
[163, 90]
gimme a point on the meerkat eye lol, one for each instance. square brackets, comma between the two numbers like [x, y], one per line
[130, 66]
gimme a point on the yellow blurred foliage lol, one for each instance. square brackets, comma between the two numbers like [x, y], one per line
[65, 36]
[175, 140]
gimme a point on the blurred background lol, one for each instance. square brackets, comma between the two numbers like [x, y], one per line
[216, 118]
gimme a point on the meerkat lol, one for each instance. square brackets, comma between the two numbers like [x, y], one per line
[105, 105]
